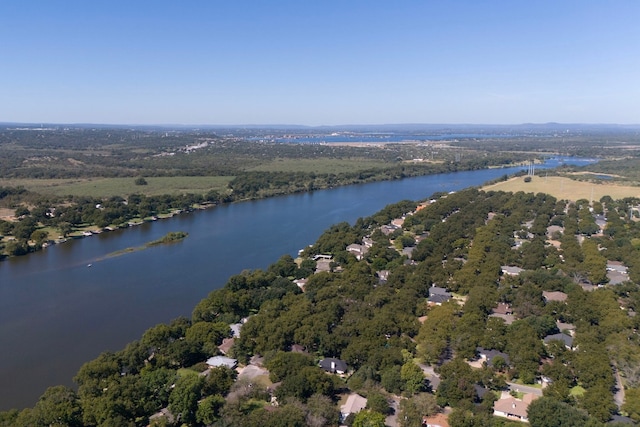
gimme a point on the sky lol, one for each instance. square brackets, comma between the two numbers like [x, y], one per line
[329, 62]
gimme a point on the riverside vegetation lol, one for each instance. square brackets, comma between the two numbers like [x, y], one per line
[65, 181]
[372, 311]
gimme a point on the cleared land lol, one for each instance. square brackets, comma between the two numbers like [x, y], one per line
[107, 187]
[565, 188]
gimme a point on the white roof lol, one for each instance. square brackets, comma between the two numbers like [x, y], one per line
[216, 361]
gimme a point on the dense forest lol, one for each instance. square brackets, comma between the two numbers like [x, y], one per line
[363, 295]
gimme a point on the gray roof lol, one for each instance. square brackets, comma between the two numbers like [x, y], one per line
[439, 299]
[492, 354]
[436, 290]
[566, 339]
[333, 365]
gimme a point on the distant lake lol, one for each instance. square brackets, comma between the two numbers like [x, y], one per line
[56, 312]
[385, 138]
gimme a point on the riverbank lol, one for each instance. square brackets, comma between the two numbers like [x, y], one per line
[49, 293]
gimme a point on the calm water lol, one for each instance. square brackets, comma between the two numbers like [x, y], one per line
[57, 313]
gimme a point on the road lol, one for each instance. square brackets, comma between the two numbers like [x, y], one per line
[525, 389]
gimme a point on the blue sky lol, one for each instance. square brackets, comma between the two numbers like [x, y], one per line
[319, 62]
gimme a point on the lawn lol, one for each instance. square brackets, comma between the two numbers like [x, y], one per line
[565, 188]
[106, 187]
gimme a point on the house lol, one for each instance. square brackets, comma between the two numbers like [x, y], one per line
[503, 308]
[503, 311]
[566, 327]
[436, 290]
[616, 272]
[297, 348]
[514, 409]
[438, 299]
[567, 340]
[235, 329]
[334, 366]
[438, 296]
[383, 275]
[354, 404]
[323, 264]
[554, 296]
[388, 229]
[301, 283]
[217, 361]
[554, 230]
[359, 251]
[437, 420]
[490, 355]
[226, 345]
[510, 270]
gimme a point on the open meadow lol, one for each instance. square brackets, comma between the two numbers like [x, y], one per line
[565, 188]
[107, 187]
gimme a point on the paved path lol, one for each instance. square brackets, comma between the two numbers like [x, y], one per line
[619, 396]
[525, 389]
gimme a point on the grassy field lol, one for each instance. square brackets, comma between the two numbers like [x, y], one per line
[106, 187]
[319, 165]
[565, 188]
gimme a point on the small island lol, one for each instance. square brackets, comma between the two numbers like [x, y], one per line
[171, 237]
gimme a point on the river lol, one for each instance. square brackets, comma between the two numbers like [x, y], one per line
[65, 305]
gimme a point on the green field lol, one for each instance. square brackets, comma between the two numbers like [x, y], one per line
[565, 188]
[106, 187]
[321, 165]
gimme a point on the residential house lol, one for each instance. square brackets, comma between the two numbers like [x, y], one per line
[510, 270]
[489, 356]
[553, 230]
[354, 404]
[503, 311]
[514, 409]
[566, 327]
[226, 345]
[334, 366]
[359, 251]
[554, 296]
[438, 296]
[383, 275]
[301, 283]
[437, 420]
[217, 361]
[616, 272]
[397, 222]
[437, 299]
[567, 340]
[297, 348]
[388, 229]
[503, 308]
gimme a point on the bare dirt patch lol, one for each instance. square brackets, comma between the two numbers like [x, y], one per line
[7, 214]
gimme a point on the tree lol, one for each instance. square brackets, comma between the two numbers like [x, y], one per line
[546, 412]
[632, 403]
[377, 402]
[413, 378]
[183, 401]
[219, 380]
[58, 406]
[209, 408]
[140, 181]
[413, 409]
[368, 419]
